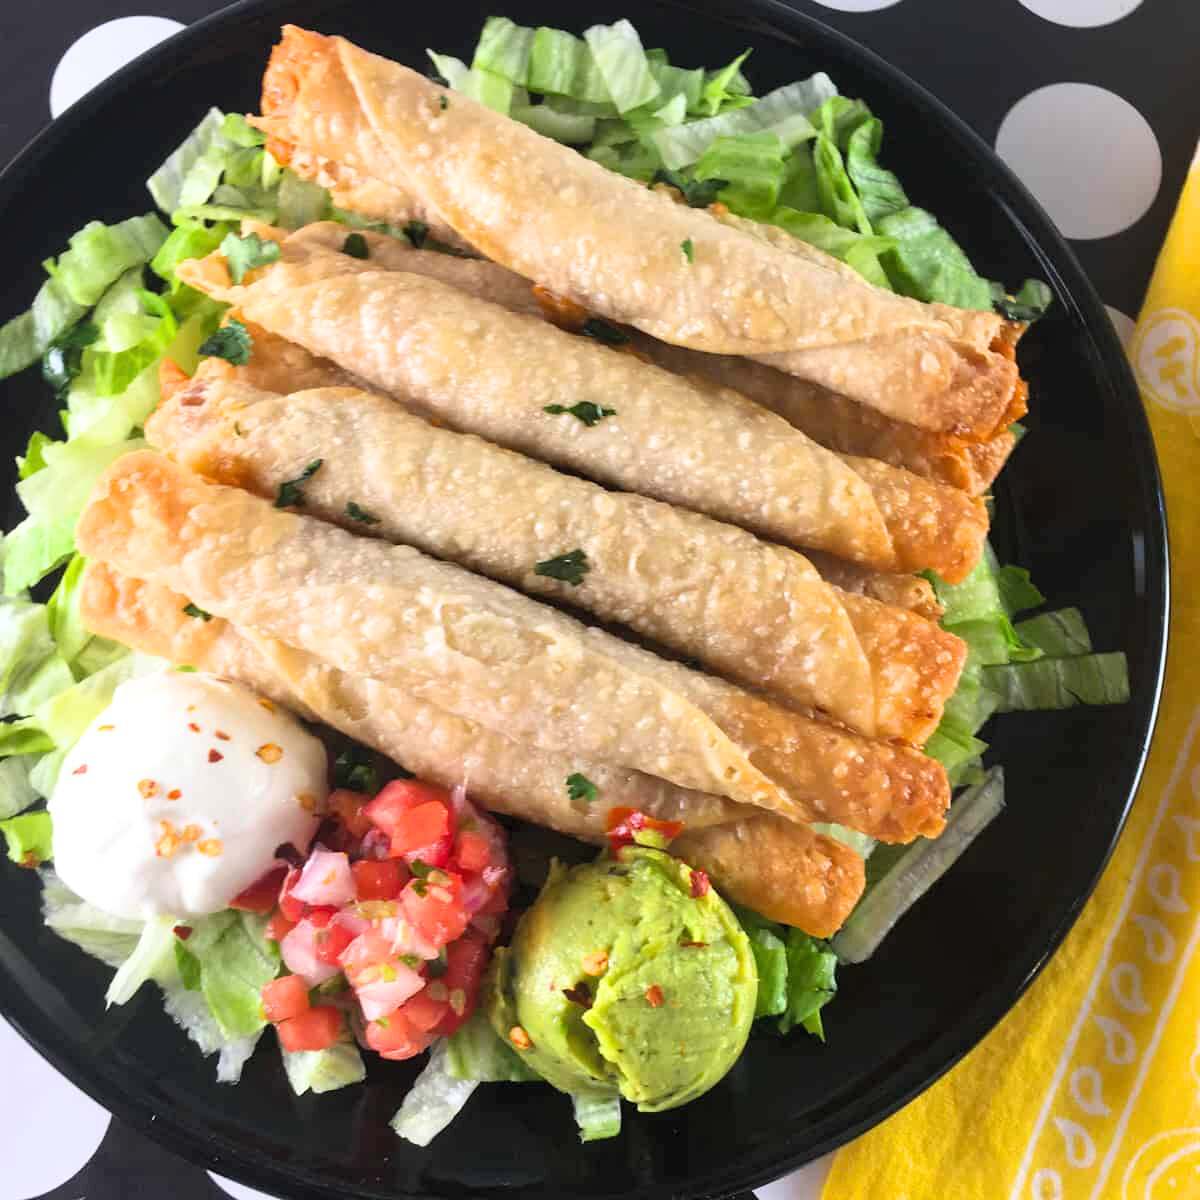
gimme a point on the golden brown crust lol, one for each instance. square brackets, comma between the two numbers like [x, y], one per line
[784, 870]
[503, 661]
[931, 366]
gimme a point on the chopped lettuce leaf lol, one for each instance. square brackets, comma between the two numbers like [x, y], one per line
[560, 64]
[110, 939]
[166, 185]
[189, 240]
[475, 1052]
[44, 773]
[811, 982]
[16, 792]
[1060, 634]
[1028, 304]
[916, 869]
[1053, 683]
[153, 958]
[752, 167]
[597, 1114]
[64, 717]
[676, 81]
[25, 644]
[25, 338]
[860, 251]
[301, 202]
[24, 737]
[29, 837]
[320, 1071]
[98, 255]
[236, 961]
[928, 264]
[54, 498]
[189, 1010]
[33, 460]
[504, 48]
[574, 129]
[618, 54]
[770, 958]
[434, 1100]
[63, 359]
[836, 195]
[783, 112]
[878, 188]
[722, 86]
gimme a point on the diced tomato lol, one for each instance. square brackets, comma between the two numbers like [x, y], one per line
[285, 998]
[624, 824]
[278, 927]
[369, 949]
[394, 1037]
[291, 908]
[425, 825]
[262, 895]
[317, 1029]
[398, 797]
[472, 851]
[350, 808]
[434, 906]
[466, 961]
[378, 880]
[331, 943]
[425, 1011]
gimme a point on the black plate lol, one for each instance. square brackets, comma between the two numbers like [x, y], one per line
[1080, 505]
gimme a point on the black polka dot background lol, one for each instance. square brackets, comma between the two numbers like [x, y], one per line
[1092, 102]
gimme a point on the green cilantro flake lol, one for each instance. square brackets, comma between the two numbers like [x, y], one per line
[356, 513]
[443, 102]
[193, 610]
[587, 412]
[232, 342]
[580, 787]
[689, 251]
[244, 254]
[291, 494]
[697, 193]
[417, 233]
[355, 770]
[568, 568]
[356, 246]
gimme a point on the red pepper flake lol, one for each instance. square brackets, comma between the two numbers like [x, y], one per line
[30, 860]
[625, 823]
[191, 833]
[307, 801]
[211, 847]
[579, 994]
[700, 884]
[148, 788]
[193, 727]
[215, 756]
[221, 735]
[654, 996]
[174, 794]
[520, 1038]
[269, 752]
[182, 932]
[263, 703]
[105, 728]
[80, 770]
[693, 945]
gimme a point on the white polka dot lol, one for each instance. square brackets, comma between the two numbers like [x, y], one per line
[1082, 14]
[804, 1184]
[1088, 155]
[1123, 324]
[100, 52]
[239, 1191]
[52, 1129]
[857, 5]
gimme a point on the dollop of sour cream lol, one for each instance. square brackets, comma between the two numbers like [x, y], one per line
[176, 798]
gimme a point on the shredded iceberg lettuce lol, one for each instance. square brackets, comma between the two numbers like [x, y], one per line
[320, 1071]
[434, 1100]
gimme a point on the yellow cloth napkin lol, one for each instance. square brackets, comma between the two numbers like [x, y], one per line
[1090, 1088]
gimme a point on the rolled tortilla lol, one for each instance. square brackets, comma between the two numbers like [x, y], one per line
[493, 656]
[831, 420]
[780, 868]
[613, 246]
[754, 612]
[932, 526]
[494, 372]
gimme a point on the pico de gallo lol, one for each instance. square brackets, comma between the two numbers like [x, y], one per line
[386, 927]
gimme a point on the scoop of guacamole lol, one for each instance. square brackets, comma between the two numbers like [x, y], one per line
[620, 976]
